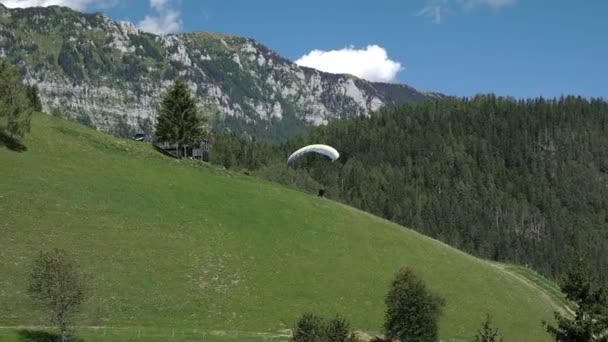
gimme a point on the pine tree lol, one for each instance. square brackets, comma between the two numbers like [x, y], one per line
[591, 316]
[34, 98]
[412, 311]
[178, 119]
[487, 333]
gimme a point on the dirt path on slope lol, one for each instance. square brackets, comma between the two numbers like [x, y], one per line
[562, 309]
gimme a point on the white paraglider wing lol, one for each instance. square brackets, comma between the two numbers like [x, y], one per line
[325, 150]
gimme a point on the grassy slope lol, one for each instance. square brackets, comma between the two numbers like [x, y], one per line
[546, 285]
[173, 245]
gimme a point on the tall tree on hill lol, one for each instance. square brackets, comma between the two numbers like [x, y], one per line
[591, 316]
[412, 311]
[34, 98]
[15, 111]
[178, 119]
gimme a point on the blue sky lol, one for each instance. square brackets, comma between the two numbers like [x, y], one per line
[521, 48]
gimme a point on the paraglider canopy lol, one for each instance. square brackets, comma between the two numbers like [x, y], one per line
[325, 150]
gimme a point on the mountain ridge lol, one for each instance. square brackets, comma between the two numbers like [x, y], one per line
[109, 75]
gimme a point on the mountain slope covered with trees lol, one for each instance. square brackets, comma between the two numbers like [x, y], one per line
[520, 181]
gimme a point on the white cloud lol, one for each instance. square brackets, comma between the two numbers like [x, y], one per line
[74, 4]
[158, 3]
[371, 63]
[166, 20]
[436, 10]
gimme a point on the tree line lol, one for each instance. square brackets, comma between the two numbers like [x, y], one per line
[522, 181]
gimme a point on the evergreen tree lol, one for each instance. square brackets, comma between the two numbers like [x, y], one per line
[590, 322]
[487, 333]
[15, 111]
[34, 98]
[178, 119]
[412, 311]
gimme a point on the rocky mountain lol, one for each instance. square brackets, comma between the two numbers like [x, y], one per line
[109, 75]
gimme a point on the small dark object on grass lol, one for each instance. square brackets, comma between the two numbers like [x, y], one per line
[247, 173]
[321, 193]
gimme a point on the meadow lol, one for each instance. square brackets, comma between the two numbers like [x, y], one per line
[178, 249]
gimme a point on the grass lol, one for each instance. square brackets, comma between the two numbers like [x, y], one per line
[175, 246]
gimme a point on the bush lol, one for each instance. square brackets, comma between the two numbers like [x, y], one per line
[487, 333]
[338, 330]
[308, 329]
[312, 328]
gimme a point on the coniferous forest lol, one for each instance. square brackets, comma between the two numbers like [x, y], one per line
[524, 181]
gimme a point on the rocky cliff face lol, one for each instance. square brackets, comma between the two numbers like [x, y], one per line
[109, 75]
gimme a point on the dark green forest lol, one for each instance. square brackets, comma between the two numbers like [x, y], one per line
[524, 181]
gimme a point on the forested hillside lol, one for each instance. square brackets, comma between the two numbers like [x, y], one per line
[520, 181]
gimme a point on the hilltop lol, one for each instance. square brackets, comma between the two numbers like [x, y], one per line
[109, 75]
[179, 247]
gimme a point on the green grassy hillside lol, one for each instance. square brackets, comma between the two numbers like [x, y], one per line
[174, 247]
